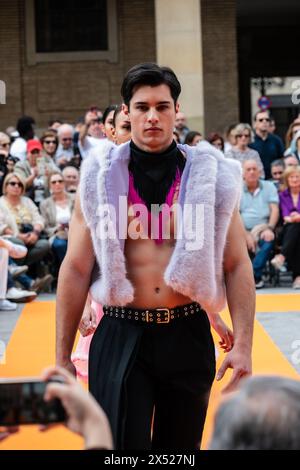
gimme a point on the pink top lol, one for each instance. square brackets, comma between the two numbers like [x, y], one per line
[134, 198]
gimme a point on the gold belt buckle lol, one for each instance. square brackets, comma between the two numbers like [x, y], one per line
[166, 314]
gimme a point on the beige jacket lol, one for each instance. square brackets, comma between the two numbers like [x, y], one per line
[48, 211]
[36, 218]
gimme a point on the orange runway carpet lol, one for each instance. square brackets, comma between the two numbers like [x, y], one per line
[31, 349]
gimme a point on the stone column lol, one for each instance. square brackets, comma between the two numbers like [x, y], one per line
[179, 46]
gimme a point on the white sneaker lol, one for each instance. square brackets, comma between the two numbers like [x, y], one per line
[7, 305]
[19, 295]
[16, 271]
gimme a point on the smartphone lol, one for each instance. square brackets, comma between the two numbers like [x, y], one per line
[22, 402]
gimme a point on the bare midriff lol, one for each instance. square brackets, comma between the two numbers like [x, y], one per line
[146, 262]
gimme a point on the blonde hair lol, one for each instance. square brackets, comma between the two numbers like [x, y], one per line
[287, 173]
[9, 177]
[243, 126]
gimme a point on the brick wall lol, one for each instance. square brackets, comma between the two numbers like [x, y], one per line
[66, 89]
[220, 74]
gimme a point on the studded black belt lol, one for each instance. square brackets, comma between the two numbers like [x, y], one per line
[157, 316]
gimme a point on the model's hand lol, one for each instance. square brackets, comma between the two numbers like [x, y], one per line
[85, 416]
[239, 360]
[88, 322]
[67, 365]
[223, 331]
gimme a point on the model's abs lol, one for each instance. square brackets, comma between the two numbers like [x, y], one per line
[146, 264]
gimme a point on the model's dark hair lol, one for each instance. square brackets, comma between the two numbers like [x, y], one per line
[116, 113]
[190, 137]
[109, 109]
[149, 74]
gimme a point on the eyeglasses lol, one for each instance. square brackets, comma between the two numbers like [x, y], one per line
[264, 119]
[66, 138]
[243, 135]
[49, 142]
[15, 183]
[57, 181]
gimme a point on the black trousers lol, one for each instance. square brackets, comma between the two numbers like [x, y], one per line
[153, 377]
[291, 247]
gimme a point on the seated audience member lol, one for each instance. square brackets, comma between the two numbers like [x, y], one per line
[71, 178]
[260, 213]
[11, 163]
[290, 161]
[277, 170]
[241, 150]
[216, 140]
[49, 141]
[35, 170]
[290, 237]
[264, 414]
[25, 224]
[56, 211]
[8, 291]
[4, 143]
[193, 138]
[65, 151]
[295, 146]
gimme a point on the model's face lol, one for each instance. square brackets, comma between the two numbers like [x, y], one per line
[108, 126]
[196, 140]
[152, 116]
[122, 131]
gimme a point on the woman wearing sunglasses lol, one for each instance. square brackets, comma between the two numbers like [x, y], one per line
[24, 227]
[56, 211]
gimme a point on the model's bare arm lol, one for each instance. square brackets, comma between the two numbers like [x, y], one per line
[241, 302]
[73, 285]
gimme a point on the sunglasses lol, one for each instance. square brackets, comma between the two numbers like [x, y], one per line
[243, 135]
[15, 183]
[264, 119]
[49, 142]
[57, 181]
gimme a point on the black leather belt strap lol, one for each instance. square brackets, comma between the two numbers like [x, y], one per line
[158, 316]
